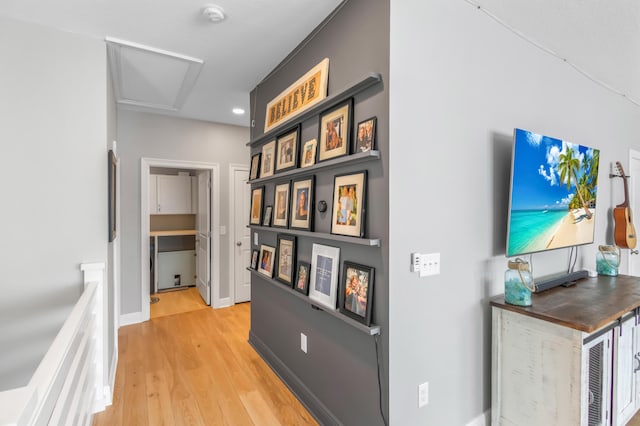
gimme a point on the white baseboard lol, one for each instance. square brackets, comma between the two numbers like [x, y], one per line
[132, 318]
[110, 387]
[225, 302]
[483, 419]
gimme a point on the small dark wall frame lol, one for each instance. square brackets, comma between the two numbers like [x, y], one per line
[356, 292]
[302, 277]
[112, 176]
[287, 149]
[254, 259]
[255, 166]
[365, 135]
[286, 259]
[302, 198]
[266, 220]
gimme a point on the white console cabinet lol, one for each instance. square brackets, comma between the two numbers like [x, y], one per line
[572, 358]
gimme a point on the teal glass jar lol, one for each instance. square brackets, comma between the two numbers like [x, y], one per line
[518, 283]
[608, 260]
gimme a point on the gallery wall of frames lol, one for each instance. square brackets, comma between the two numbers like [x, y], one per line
[283, 174]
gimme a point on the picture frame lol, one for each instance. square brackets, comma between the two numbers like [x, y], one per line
[308, 153]
[287, 149]
[257, 197]
[266, 260]
[356, 292]
[303, 271]
[349, 201]
[254, 171]
[365, 135]
[112, 177]
[281, 205]
[302, 207]
[254, 259]
[268, 158]
[266, 217]
[286, 256]
[323, 282]
[334, 136]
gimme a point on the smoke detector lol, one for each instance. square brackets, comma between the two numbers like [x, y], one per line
[213, 12]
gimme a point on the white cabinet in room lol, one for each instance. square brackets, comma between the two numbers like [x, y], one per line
[170, 194]
[625, 370]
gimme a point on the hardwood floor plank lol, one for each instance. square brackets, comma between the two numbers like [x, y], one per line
[197, 368]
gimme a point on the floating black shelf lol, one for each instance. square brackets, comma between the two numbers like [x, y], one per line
[371, 330]
[370, 242]
[369, 80]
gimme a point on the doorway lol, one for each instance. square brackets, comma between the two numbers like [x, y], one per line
[210, 240]
[634, 204]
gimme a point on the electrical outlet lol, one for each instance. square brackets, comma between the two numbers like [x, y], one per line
[423, 394]
[303, 342]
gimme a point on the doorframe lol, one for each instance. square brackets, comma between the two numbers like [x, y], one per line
[633, 183]
[145, 168]
[232, 227]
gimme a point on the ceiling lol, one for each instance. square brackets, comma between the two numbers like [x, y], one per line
[237, 52]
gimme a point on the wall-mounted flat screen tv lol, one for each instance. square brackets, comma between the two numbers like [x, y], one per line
[552, 202]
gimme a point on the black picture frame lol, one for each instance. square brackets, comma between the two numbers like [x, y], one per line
[356, 291]
[257, 201]
[112, 202]
[302, 191]
[282, 197]
[348, 213]
[303, 271]
[365, 135]
[287, 149]
[334, 131]
[254, 259]
[255, 166]
[266, 217]
[286, 259]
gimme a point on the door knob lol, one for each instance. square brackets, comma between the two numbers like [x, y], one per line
[239, 243]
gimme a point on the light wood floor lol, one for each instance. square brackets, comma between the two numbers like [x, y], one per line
[176, 302]
[196, 368]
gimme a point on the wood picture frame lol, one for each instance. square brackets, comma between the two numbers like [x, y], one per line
[281, 205]
[308, 153]
[323, 284]
[254, 171]
[303, 271]
[287, 149]
[334, 136]
[268, 159]
[302, 207]
[286, 259]
[254, 259]
[356, 292]
[349, 201]
[266, 217]
[112, 177]
[365, 135]
[257, 197]
[266, 260]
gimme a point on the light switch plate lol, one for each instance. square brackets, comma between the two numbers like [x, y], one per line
[255, 238]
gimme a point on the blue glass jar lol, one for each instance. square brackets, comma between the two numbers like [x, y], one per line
[518, 283]
[608, 260]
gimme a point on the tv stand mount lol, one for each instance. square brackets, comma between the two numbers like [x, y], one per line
[566, 280]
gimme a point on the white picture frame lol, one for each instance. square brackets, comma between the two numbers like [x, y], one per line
[325, 267]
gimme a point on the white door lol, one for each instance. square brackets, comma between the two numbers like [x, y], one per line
[634, 203]
[242, 252]
[203, 237]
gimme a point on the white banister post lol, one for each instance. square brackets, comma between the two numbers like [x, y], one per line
[94, 272]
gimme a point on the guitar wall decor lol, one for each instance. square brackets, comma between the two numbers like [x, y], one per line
[624, 231]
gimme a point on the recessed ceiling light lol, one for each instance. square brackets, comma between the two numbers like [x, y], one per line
[213, 12]
[238, 111]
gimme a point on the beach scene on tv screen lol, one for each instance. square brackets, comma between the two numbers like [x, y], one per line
[553, 194]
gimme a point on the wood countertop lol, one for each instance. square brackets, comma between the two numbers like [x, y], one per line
[172, 233]
[587, 306]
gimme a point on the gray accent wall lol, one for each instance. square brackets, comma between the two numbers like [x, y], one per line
[337, 378]
[163, 137]
[53, 112]
[460, 84]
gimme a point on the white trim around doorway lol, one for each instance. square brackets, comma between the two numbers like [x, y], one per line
[214, 168]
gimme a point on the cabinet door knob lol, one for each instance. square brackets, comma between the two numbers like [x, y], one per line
[239, 243]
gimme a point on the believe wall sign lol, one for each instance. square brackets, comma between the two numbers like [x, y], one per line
[307, 91]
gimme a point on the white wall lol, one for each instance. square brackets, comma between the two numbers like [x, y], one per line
[156, 136]
[460, 83]
[53, 182]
